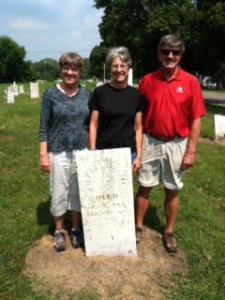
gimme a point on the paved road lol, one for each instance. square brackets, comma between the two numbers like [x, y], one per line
[214, 98]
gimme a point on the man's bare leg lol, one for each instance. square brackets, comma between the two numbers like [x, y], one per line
[141, 205]
[171, 208]
[171, 205]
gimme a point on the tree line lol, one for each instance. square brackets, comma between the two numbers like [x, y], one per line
[138, 25]
[13, 66]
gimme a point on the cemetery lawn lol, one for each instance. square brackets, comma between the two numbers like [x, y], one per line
[25, 217]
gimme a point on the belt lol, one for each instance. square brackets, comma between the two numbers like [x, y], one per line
[165, 139]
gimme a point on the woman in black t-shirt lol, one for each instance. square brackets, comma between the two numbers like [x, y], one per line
[116, 110]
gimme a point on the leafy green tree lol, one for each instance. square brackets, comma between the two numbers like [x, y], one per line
[169, 17]
[29, 73]
[123, 25]
[86, 71]
[47, 69]
[97, 61]
[12, 64]
[211, 43]
[139, 25]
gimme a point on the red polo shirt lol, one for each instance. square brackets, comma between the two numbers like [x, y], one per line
[170, 105]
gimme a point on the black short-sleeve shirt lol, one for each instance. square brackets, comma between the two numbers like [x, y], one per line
[117, 110]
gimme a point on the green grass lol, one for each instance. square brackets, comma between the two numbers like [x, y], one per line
[25, 217]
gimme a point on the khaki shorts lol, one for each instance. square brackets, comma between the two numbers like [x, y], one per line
[161, 162]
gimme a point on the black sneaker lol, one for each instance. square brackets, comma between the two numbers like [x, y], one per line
[77, 239]
[59, 241]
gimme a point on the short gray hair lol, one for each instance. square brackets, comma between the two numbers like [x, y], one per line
[171, 40]
[122, 53]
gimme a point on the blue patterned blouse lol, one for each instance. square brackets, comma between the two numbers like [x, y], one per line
[64, 121]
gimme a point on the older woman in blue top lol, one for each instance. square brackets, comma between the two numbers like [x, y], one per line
[64, 120]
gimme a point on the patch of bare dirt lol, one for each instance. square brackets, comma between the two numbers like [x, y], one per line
[219, 141]
[68, 272]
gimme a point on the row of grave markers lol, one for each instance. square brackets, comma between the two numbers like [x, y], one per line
[15, 90]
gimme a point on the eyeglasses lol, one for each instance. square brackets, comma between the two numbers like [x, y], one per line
[116, 67]
[168, 51]
[67, 68]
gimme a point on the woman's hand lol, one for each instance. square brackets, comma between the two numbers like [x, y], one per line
[44, 163]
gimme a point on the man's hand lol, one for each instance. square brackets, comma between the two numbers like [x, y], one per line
[136, 165]
[188, 160]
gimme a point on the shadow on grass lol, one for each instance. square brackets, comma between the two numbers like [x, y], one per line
[214, 109]
[152, 221]
[44, 217]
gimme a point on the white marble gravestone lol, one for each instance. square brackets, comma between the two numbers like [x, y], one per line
[106, 193]
[10, 97]
[99, 83]
[21, 89]
[34, 90]
[219, 126]
[14, 89]
[130, 77]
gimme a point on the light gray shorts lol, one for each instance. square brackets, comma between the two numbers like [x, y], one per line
[63, 183]
[161, 162]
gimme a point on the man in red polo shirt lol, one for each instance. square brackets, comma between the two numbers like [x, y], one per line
[171, 124]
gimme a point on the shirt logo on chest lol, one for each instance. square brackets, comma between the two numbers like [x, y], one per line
[179, 90]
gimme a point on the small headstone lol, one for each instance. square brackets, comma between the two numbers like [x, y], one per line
[107, 206]
[21, 89]
[14, 89]
[34, 90]
[10, 97]
[99, 83]
[219, 126]
[130, 77]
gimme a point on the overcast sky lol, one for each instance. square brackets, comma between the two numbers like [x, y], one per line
[47, 28]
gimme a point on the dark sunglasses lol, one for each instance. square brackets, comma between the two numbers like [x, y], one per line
[167, 52]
